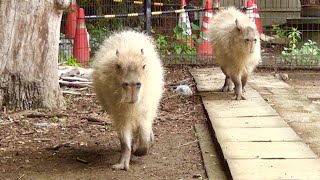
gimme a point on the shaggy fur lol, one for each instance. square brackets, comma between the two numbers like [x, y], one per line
[235, 40]
[128, 81]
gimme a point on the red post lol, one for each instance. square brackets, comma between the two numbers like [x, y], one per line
[81, 45]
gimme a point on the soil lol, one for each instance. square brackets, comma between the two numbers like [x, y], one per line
[80, 142]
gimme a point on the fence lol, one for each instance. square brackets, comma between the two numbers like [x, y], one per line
[291, 28]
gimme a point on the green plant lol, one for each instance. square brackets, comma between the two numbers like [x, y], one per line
[294, 36]
[310, 47]
[162, 44]
[308, 54]
[97, 35]
[72, 62]
[183, 46]
[279, 31]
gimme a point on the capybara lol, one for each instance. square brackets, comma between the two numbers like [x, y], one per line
[128, 81]
[236, 43]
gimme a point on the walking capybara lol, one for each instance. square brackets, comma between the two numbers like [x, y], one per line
[235, 40]
[128, 81]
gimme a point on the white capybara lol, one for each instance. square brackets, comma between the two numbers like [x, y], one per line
[128, 81]
[236, 43]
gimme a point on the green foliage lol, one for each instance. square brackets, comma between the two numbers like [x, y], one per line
[279, 31]
[308, 48]
[179, 43]
[308, 54]
[162, 44]
[294, 36]
[97, 35]
[72, 62]
[182, 47]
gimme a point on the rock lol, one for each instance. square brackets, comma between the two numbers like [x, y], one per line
[284, 76]
[184, 90]
[41, 124]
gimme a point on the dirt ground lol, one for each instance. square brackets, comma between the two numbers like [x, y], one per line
[80, 142]
[71, 145]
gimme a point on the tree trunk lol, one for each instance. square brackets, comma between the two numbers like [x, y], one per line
[29, 37]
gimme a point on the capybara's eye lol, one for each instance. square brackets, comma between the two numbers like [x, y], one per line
[118, 66]
[125, 84]
[144, 66]
[247, 40]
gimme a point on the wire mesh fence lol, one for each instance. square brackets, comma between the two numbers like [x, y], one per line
[290, 29]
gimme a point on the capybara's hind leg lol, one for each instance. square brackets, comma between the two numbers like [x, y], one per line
[227, 86]
[238, 87]
[125, 140]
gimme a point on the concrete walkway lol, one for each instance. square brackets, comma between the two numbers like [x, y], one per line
[256, 142]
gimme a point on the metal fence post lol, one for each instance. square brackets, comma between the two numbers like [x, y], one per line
[147, 14]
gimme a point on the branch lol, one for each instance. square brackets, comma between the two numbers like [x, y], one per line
[42, 115]
[68, 78]
[77, 93]
[75, 84]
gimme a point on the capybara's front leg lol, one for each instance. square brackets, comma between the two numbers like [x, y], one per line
[238, 87]
[244, 80]
[145, 139]
[125, 140]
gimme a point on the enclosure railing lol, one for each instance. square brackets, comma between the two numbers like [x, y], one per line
[290, 38]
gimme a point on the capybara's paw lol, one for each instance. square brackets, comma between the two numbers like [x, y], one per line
[243, 89]
[121, 166]
[239, 97]
[226, 88]
[141, 151]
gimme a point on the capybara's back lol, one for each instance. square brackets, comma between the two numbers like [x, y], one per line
[128, 81]
[236, 43]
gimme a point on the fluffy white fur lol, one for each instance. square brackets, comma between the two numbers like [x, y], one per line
[135, 54]
[235, 40]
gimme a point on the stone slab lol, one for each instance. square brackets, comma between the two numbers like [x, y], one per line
[268, 82]
[216, 111]
[284, 134]
[204, 75]
[215, 99]
[296, 109]
[253, 169]
[249, 122]
[212, 164]
[212, 80]
[260, 150]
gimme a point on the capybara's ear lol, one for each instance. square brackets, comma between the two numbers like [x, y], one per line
[117, 52]
[237, 24]
[142, 51]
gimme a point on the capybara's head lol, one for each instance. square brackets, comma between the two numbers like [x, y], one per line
[249, 37]
[131, 69]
